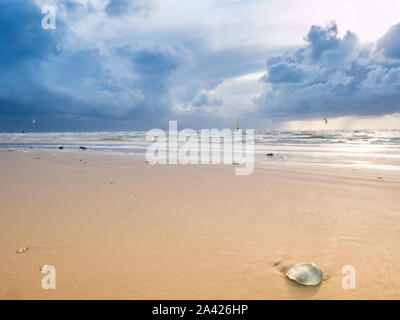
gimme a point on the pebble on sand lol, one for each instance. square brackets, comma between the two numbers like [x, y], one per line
[22, 250]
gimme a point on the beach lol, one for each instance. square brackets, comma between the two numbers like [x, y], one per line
[115, 227]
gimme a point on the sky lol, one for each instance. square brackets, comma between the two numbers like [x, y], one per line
[119, 65]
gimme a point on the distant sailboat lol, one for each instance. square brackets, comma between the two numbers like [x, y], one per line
[237, 126]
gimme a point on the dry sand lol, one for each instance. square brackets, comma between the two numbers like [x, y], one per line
[192, 232]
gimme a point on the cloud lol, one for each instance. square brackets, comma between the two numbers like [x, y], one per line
[45, 74]
[390, 44]
[284, 73]
[120, 7]
[333, 76]
[24, 46]
[21, 34]
[109, 66]
[123, 65]
[205, 100]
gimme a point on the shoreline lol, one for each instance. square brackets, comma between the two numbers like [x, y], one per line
[260, 159]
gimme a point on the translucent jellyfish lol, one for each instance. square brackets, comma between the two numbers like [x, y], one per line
[307, 274]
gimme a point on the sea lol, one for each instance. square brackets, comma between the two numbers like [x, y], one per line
[356, 148]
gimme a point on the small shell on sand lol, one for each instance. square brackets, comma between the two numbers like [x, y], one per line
[308, 274]
[22, 250]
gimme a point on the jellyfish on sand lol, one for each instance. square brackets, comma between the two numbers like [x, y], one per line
[307, 274]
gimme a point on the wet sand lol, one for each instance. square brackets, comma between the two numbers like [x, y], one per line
[117, 228]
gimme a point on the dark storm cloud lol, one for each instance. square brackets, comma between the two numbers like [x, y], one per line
[40, 77]
[114, 70]
[24, 45]
[121, 78]
[334, 76]
[21, 35]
